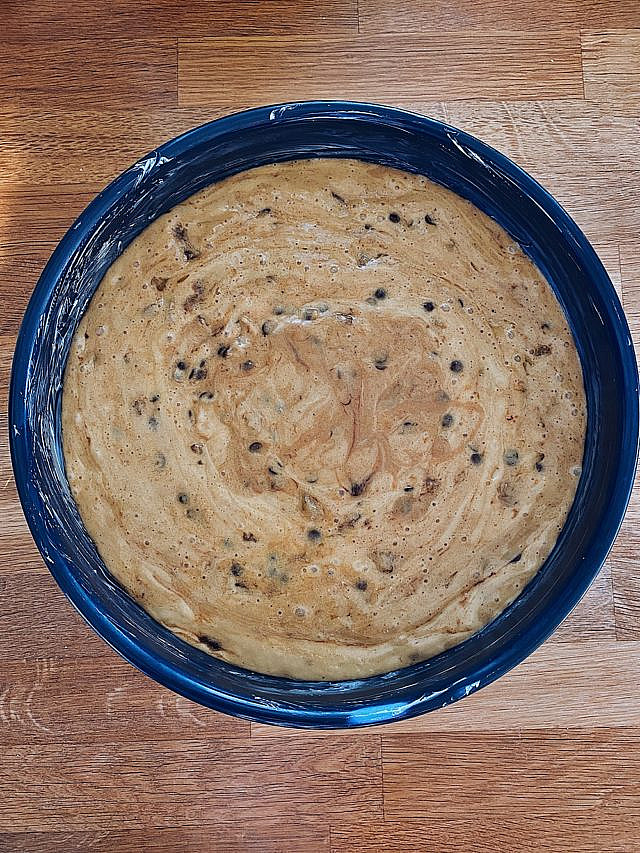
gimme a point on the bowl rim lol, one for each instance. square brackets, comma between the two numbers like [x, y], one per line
[171, 676]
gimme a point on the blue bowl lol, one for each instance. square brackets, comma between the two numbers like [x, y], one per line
[328, 129]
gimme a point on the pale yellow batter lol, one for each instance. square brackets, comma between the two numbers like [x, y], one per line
[323, 419]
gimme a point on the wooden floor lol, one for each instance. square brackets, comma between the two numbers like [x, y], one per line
[93, 755]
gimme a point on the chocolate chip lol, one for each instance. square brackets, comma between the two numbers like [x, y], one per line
[428, 219]
[236, 569]
[380, 362]
[384, 561]
[361, 584]
[160, 460]
[430, 486]
[516, 559]
[249, 537]
[191, 301]
[278, 310]
[313, 534]
[476, 457]
[511, 457]
[539, 466]
[154, 398]
[153, 423]
[428, 306]
[223, 350]
[338, 197]
[214, 645]
[159, 283]
[197, 448]
[264, 212]
[367, 227]
[408, 488]
[183, 498]
[456, 366]
[267, 327]
[247, 365]
[188, 249]
[394, 217]
[198, 374]
[541, 349]
[205, 395]
[255, 446]
[447, 420]
[380, 293]
[506, 493]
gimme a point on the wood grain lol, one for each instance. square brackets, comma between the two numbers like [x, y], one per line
[111, 703]
[611, 62]
[543, 773]
[17, 280]
[264, 836]
[161, 784]
[624, 556]
[604, 205]
[34, 218]
[37, 19]
[416, 16]
[84, 72]
[94, 145]
[516, 66]
[94, 755]
[580, 686]
[510, 830]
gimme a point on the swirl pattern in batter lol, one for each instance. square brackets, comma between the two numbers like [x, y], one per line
[323, 419]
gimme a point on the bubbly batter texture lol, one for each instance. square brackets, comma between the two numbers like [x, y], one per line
[323, 419]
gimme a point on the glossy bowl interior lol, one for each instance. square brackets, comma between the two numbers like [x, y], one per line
[329, 129]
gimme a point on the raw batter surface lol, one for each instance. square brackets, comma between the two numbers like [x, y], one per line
[323, 419]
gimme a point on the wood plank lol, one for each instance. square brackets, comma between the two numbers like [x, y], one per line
[546, 137]
[164, 784]
[503, 832]
[611, 62]
[83, 700]
[583, 685]
[593, 618]
[46, 19]
[547, 774]
[415, 16]
[7, 346]
[604, 205]
[630, 272]
[94, 145]
[265, 836]
[398, 68]
[36, 217]
[68, 73]
[625, 554]
[39, 620]
[18, 277]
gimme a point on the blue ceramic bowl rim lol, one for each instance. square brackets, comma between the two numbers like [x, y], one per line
[251, 707]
